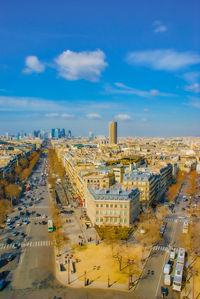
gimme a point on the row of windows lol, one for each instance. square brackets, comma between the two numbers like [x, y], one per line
[95, 181]
[111, 220]
[111, 212]
[111, 206]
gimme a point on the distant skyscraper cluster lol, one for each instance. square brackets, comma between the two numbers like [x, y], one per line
[60, 133]
[113, 133]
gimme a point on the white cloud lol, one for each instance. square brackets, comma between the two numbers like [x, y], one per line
[159, 27]
[168, 60]
[144, 120]
[87, 65]
[51, 115]
[126, 90]
[8, 103]
[193, 87]
[191, 77]
[194, 102]
[67, 115]
[33, 65]
[123, 117]
[94, 116]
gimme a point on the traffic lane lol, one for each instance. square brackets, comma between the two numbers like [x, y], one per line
[36, 268]
[148, 284]
[66, 293]
[8, 267]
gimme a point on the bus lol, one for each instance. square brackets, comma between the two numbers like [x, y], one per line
[181, 256]
[177, 282]
[50, 226]
[185, 226]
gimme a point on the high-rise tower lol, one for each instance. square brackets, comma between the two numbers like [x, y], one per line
[113, 133]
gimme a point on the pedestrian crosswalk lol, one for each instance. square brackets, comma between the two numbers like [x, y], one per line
[160, 248]
[180, 220]
[27, 244]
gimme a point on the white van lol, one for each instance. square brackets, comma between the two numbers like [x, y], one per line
[167, 269]
[172, 254]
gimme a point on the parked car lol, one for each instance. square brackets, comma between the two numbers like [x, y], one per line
[2, 284]
[9, 241]
[10, 257]
[15, 233]
[16, 246]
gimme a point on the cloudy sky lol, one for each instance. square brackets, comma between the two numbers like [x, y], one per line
[79, 64]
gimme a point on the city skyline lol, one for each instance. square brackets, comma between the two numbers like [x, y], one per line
[83, 65]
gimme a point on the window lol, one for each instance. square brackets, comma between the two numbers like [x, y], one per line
[115, 212]
[121, 206]
[107, 220]
[125, 206]
[101, 205]
[101, 212]
[121, 213]
[111, 220]
[115, 206]
[101, 219]
[125, 220]
[107, 212]
[121, 220]
[97, 205]
[111, 205]
[125, 213]
[111, 212]
[115, 220]
[97, 219]
[107, 206]
[97, 212]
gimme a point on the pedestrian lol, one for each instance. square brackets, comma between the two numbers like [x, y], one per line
[88, 281]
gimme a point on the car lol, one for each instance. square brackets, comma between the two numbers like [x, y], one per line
[44, 216]
[30, 204]
[23, 235]
[19, 209]
[11, 227]
[26, 222]
[16, 246]
[21, 213]
[10, 257]
[16, 217]
[44, 222]
[9, 241]
[19, 223]
[15, 233]
[164, 291]
[2, 284]
[38, 215]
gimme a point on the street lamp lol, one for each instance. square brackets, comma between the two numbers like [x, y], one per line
[68, 257]
[129, 263]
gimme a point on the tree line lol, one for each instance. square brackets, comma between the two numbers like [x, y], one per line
[11, 186]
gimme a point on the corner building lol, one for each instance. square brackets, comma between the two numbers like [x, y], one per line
[113, 206]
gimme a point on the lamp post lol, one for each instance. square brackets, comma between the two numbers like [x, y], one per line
[129, 263]
[69, 257]
[85, 278]
[108, 281]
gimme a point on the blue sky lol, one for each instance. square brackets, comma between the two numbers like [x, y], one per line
[79, 64]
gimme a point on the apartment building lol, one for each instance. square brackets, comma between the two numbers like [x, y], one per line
[146, 182]
[114, 207]
[99, 180]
